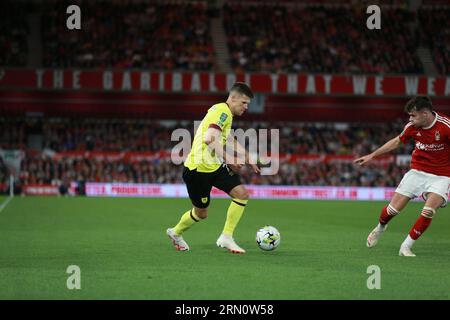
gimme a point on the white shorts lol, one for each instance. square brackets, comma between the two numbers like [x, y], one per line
[417, 183]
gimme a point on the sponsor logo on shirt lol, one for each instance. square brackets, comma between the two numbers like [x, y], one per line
[223, 117]
[429, 147]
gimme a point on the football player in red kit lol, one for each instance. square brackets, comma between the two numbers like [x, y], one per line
[429, 175]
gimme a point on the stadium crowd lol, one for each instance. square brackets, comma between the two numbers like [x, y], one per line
[59, 135]
[69, 134]
[126, 34]
[13, 35]
[261, 36]
[435, 34]
[157, 35]
[45, 170]
[310, 39]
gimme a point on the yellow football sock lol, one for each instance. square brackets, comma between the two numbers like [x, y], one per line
[234, 214]
[186, 221]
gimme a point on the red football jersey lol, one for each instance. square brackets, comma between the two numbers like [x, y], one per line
[432, 151]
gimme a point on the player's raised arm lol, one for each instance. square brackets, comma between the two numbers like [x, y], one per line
[387, 147]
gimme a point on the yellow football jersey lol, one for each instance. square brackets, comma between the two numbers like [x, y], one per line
[200, 157]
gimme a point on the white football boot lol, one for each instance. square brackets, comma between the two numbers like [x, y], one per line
[374, 236]
[178, 241]
[227, 242]
[405, 251]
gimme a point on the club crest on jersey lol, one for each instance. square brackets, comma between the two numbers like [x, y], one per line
[418, 134]
[437, 136]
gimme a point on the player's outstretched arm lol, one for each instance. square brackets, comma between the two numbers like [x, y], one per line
[385, 148]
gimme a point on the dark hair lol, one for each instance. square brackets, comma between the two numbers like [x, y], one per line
[418, 103]
[242, 88]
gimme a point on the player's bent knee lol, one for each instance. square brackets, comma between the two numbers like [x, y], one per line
[239, 192]
[242, 194]
[434, 200]
[202, 213]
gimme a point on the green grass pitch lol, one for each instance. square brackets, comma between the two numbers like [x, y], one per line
[123, 252]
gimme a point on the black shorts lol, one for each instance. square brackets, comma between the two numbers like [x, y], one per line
[199, 184]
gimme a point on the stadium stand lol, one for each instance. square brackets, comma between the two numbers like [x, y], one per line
[130, 35]
[316, 36]
[13, 35]
[71, 138]
[435, 34]
[71, 134]
[317, 39]
[43, 170]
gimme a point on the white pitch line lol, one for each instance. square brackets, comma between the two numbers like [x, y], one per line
[5, 203]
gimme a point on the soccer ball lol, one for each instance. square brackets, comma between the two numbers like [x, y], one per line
[268, 238]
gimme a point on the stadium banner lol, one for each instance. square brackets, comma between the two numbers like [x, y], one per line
[256, 192]
[40, 190]
[196, 82]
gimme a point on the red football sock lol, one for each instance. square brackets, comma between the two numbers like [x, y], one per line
[387, 214]
[419, 227]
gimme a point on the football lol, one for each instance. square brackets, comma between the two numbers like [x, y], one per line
[268, 238]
